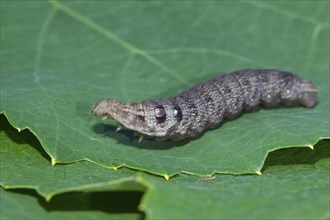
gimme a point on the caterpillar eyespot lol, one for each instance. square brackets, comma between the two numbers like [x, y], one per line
[159, 112]
[207, 104]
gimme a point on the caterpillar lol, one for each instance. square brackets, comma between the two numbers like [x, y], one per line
[206, 105]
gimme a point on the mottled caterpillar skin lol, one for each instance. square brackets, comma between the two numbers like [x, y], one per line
[205, 105]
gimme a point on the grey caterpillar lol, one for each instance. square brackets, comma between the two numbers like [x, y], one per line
[205, 105]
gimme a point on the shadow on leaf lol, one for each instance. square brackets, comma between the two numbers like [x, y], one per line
[298, 155]
[23, 137]
[109, 202]
[127, 137]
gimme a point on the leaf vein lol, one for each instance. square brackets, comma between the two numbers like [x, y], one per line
[118, 40]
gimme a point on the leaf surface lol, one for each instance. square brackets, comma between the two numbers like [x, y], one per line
[282, 192]
[23, 204]
[59, 57]
[294, 184]
[24, 164]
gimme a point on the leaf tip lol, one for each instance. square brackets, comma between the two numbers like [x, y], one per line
[258, 172]
[53, 162]
[310, 146]
[167, 177]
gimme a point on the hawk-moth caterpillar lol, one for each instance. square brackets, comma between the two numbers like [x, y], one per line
[205, 105]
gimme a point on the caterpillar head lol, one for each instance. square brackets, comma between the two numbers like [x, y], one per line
[150, 118]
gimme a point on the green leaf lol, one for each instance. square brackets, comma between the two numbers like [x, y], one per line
[282, 192]
[59, 57]
[24, 204]
[24, 164]
[294, 184]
